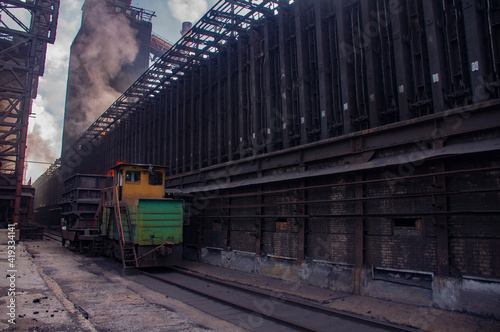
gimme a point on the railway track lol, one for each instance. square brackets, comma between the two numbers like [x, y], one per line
[52, 236]
[249, 307]
[259, 310]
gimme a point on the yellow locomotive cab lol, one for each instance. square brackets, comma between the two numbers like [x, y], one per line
[144, 181]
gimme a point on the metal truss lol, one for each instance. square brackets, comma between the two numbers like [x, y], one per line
[225, 20]
[25, 29]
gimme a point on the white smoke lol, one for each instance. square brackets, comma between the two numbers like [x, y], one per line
[44, 139]
[188, 10]
[109, 47]
[99, 56]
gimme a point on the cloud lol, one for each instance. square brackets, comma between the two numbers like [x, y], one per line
[43, 144]
[188, 10]
[58, 53]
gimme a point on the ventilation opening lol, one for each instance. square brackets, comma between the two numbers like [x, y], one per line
[282, 224]
[407, 223]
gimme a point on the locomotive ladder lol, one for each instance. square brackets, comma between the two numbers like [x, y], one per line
[129, 256]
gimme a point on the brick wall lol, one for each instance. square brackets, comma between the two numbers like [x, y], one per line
[281, 243]
[393, 247]
[474, 238]
[331, 240]
[399, 228]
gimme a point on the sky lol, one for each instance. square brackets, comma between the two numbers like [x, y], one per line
[46, 123]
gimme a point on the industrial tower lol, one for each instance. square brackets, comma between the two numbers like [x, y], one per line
[110, 51]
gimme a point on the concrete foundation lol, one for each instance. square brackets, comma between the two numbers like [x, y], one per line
[480, 297]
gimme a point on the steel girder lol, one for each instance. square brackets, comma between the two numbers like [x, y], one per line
[22, 59]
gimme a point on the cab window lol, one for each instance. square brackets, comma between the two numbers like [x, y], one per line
[132, 176]
[156, 179]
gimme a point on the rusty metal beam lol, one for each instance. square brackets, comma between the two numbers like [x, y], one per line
[22, 61]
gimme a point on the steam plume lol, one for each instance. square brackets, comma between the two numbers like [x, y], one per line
[40, 148]
[188, 10]
[43, 143]
[105, 44]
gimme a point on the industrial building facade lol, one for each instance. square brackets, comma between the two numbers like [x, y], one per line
[352, 145]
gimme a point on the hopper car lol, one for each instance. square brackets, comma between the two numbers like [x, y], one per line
[81, 195]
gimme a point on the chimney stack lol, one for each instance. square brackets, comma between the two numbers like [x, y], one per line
[186, 26]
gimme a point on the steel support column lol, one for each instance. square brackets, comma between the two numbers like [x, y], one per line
[401, 53]
[301, 209]
[231, 109]
[172, 129]
[193, 126]
[184, 127]
[284, 75]
[439, 205]
[346, 58]
[372, 49]
[255, 102]
[479, 65]
[435, 44]
[219, 112]
[269, 82]
[304, 76]
[258, 219]
[358, 236]
[242, 106]
[324, 70]
[202, 124]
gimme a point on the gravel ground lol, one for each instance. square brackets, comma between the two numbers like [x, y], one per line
[59, 290]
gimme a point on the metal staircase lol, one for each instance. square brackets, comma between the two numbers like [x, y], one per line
[129, 255]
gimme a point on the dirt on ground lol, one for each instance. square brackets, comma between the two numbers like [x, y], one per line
[59, 290]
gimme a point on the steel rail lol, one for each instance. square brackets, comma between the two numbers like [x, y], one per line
[53, 236]
[218, 299]
[308, 305]
[278, 298]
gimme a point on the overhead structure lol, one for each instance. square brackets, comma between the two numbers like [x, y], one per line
[26, 27]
